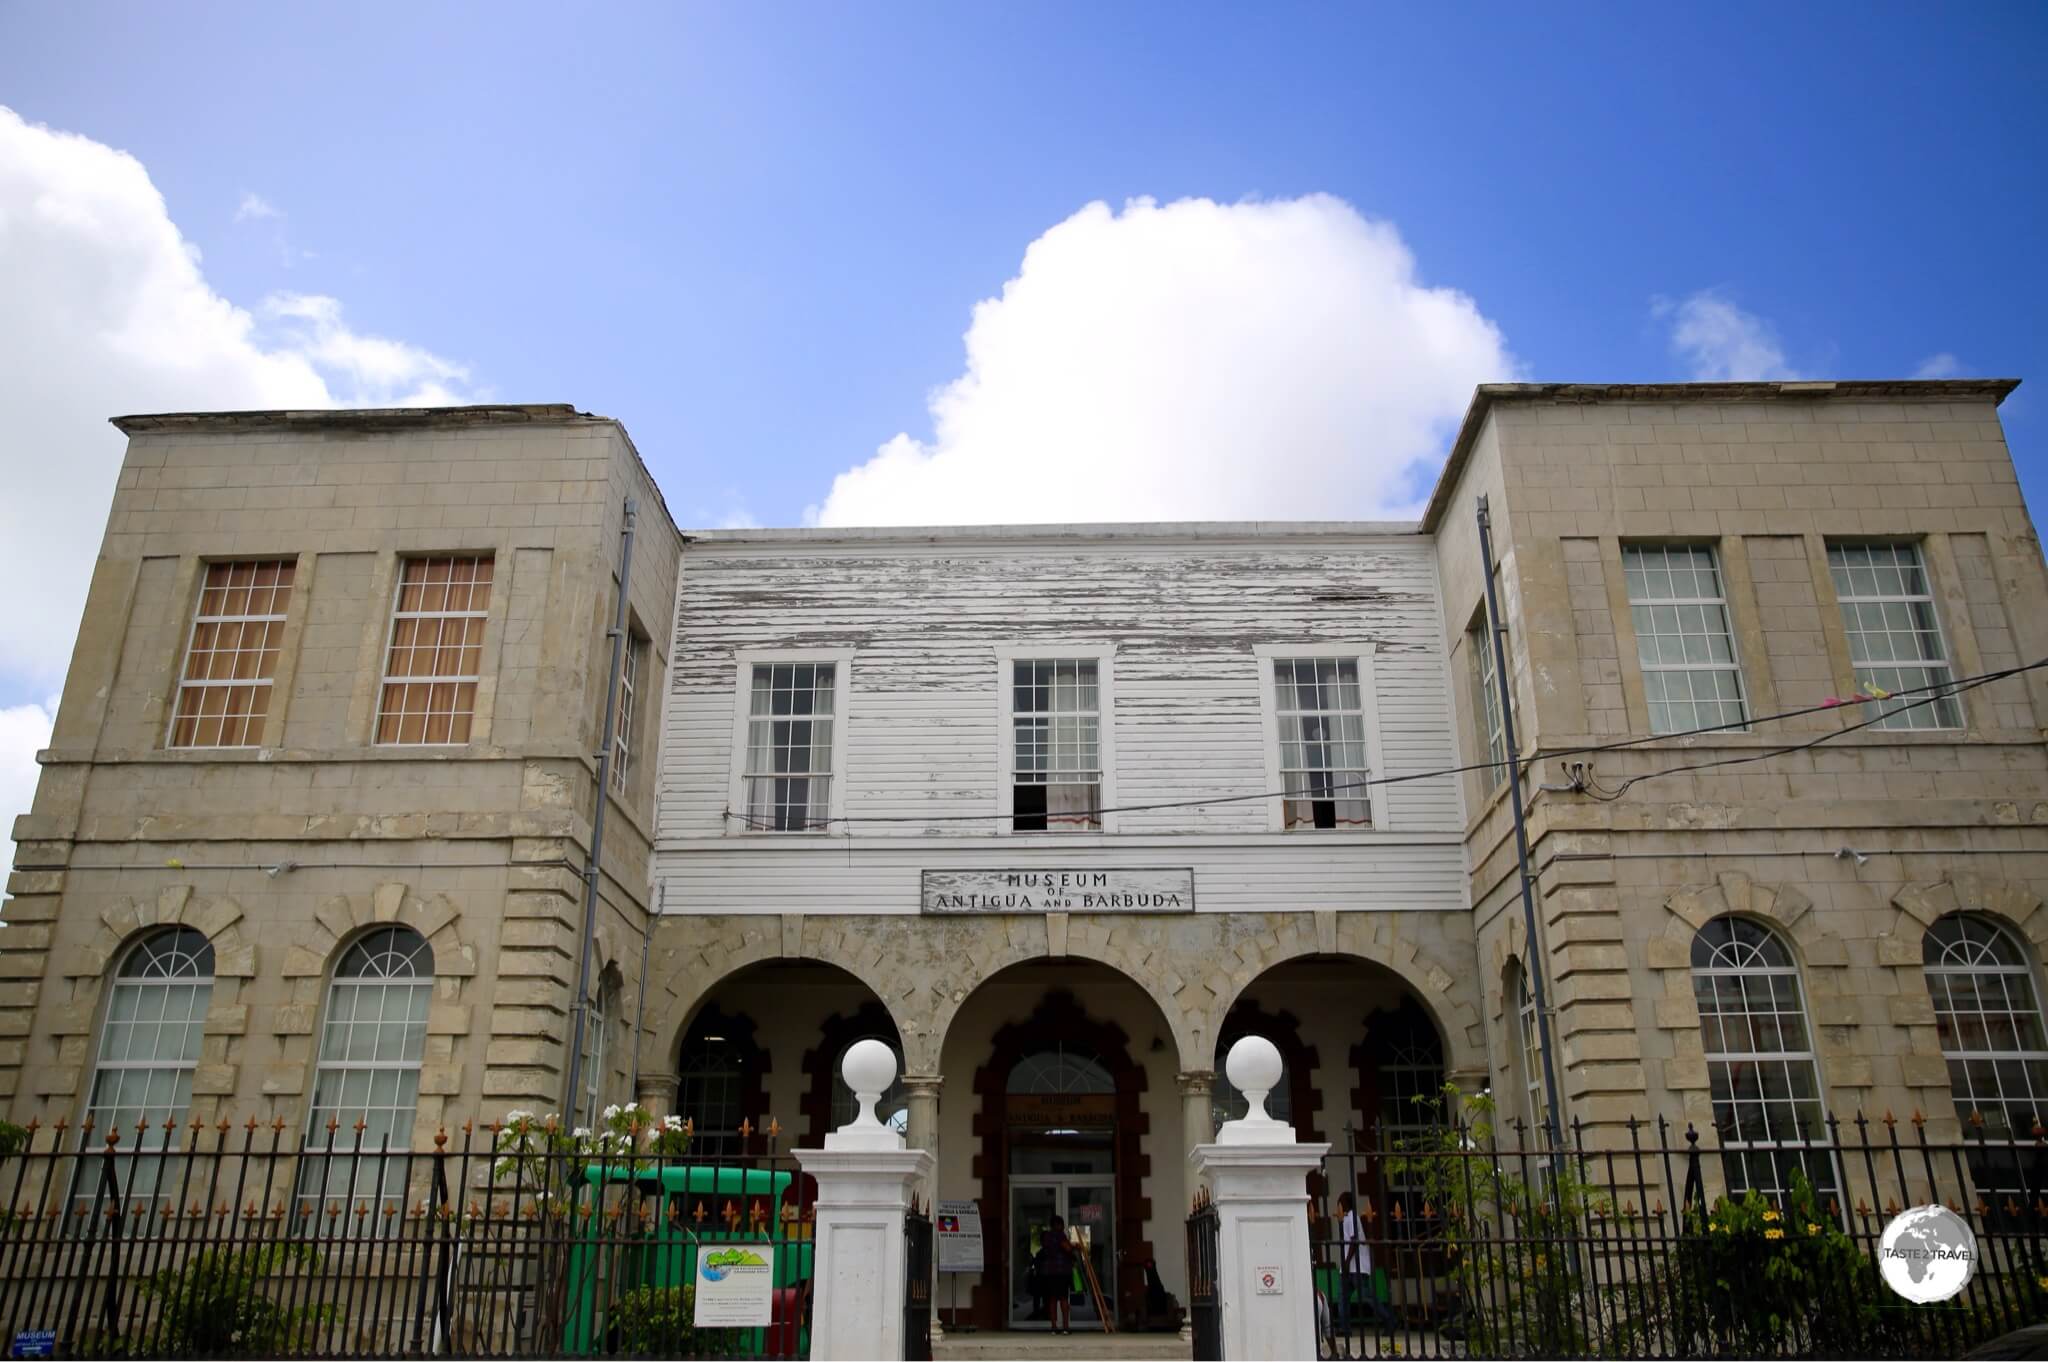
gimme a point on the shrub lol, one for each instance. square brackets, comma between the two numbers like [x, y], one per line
[657, 1321]
[1756, 1275]
[215, 1305]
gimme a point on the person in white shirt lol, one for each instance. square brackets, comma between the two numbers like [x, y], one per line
[1354, 1267]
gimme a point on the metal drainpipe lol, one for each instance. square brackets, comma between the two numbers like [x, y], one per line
[579, 1009]
[1534, 962]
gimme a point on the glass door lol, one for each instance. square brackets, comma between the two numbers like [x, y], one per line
[1087, 1206]
[1033, 1204]
[1090, 1212]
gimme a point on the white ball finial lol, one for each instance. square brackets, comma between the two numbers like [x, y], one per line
[869, 1068]
[1254, 1069]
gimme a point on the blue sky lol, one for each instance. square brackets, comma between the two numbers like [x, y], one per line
[757, 234]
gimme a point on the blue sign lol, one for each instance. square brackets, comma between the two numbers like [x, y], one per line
[34, 1343]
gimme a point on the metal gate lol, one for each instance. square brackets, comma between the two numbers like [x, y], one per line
[1205, 1307]
[917, 1285]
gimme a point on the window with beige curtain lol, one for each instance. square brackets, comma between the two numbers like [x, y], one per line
[437, 636]
[237, 630]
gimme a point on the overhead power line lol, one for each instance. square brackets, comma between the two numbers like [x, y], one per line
[1929, 694]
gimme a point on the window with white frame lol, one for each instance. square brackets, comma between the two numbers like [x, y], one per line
[1764, 1081]
[1989, 1021]
[1680, 609]
[231, 658]
[790, 720]
[1321, 712]
[596, 1026]
[1895, 640]
[428, 695]
[1529, 1045]
[1056, 754]
[622, 717]
[149, 1049]
[373, 1036]
[1493, 734]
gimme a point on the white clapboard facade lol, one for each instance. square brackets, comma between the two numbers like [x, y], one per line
[1011, 801]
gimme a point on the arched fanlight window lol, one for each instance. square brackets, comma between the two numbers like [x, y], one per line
[893, 1110]
[149, 1047]
[373, 1035]
[1060, 1070]
[1988, 1016]
[1760, 1062]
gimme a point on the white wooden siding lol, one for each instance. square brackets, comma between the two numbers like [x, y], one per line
[924, 620]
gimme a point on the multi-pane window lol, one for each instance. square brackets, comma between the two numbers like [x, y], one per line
[372, 1039]
[1322, 742]
[1760, 1064]
[1529, 1042]
[149, 1047]
[1895, 640]
[224, 691]
[1056, 717]
[789, 746]
[436, 655]
[1687, 652]
[596, 1023]
[1411, 1087]
[1493, 734]
[711, 1090]
[622, 718]
[1989, 1021]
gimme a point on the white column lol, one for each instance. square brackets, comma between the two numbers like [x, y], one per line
[1258, 1177]
[865, 1181]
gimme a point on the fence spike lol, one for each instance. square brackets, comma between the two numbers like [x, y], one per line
[440, 1139]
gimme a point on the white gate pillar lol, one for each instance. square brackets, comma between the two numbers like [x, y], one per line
[865, 1181]
[1258, 1178]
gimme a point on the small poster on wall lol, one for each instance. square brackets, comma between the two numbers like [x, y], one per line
[735, 1286]
[958, 1227]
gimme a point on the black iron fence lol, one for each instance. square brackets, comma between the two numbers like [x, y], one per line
[515, 1242]
[1628, 1242]
[1205, 1308]
[917, 1284]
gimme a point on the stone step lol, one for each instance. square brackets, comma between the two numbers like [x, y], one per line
[1038, 1344]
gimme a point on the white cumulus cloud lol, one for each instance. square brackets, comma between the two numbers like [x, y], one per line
[1943, 365]
[1193, 360]
[1721, 343]
[104, 310]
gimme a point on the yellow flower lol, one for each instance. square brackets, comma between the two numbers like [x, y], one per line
[1718, 1228]
[2043, 1282]
[1770, 1215]
[1812, 1228]
[1774, 1234]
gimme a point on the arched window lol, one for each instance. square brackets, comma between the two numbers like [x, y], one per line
[149, 1046]
[1760, 1064]
[592, 1073]
[1060, 1070]
[1989, 1020]
[1535, 1110]
[893, 1110]
[373, 1035]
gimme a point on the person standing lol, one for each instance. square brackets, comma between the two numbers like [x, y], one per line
[1354, 1267]
[1056, 1270]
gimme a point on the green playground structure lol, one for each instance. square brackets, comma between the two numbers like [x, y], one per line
[654, 1243]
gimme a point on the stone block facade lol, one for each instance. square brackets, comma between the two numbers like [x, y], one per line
[1848, 848]
[283, 852]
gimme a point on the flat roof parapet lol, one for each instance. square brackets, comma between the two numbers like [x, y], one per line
[356, 418]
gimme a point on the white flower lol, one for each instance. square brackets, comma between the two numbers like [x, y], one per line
[611, 1112]
[671, 1123]
[581, 1132]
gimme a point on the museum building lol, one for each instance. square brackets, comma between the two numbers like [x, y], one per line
[1057, 812]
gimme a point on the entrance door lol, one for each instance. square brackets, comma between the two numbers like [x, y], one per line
[1087, 1206]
